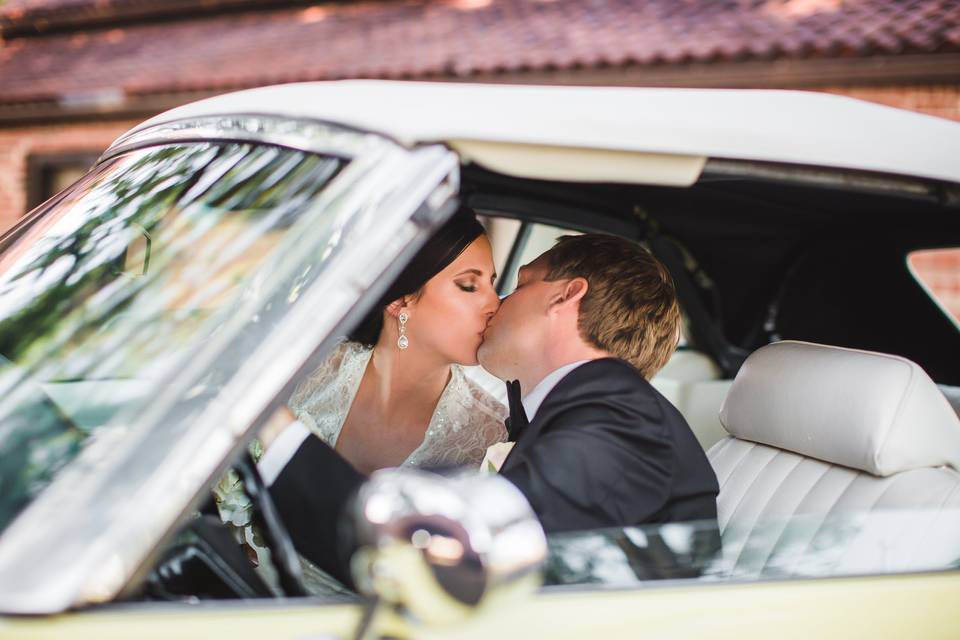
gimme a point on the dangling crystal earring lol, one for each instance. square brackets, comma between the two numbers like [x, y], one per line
[403, 342]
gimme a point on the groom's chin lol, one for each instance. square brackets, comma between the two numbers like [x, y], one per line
[487, 360]
[481, 356]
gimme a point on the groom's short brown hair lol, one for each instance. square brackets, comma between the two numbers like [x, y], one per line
[630, 309]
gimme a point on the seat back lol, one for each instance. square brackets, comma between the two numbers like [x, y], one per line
[823, 430]
[691, 382]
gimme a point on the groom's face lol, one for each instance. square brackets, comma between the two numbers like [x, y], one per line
[517, 331]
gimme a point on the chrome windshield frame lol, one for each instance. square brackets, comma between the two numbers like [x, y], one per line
[123, 496]
[304, 135]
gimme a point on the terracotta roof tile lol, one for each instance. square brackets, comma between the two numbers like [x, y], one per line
[423, 38]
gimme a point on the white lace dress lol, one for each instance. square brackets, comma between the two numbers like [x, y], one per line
[467, 420]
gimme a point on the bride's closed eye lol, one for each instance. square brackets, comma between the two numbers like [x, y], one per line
[469, 288]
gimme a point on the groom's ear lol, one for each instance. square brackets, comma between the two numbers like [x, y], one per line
[570, 293]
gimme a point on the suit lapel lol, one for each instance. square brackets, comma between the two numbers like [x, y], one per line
[542, 417]
[553, 402]
[528, 435]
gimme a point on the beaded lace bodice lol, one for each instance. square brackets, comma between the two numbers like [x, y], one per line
[466, 421]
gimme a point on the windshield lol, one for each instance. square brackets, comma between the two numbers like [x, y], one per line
[107, 295]
[802, 546]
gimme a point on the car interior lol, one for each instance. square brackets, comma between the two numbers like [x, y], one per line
[815, 369]
[757, 260]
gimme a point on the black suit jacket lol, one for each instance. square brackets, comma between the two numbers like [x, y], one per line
[606, 449]
[311, 493]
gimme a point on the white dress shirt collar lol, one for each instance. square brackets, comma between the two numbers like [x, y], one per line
[533, 400]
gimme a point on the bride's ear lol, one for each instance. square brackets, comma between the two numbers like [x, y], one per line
[395, 307]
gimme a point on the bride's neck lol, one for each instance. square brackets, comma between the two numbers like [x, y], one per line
[407, 375]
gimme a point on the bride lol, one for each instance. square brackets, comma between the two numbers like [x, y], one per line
[395, 393]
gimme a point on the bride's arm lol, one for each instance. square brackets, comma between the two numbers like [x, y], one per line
[274, 426]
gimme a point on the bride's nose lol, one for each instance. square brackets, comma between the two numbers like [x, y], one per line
[492, 302]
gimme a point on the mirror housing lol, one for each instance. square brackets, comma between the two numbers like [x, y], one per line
[443, 547]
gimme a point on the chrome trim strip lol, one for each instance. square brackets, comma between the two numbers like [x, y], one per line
[304, 135]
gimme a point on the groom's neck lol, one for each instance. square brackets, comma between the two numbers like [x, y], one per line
[555, 356]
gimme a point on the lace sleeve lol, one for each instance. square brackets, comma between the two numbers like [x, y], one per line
[322, 400]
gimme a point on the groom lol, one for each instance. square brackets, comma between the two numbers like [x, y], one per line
[590, 322]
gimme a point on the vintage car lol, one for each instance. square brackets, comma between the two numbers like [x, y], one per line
[154, 315]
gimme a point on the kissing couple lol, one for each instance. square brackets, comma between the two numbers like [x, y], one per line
[590, 322]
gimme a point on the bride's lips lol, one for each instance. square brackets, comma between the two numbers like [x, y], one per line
[483, 333]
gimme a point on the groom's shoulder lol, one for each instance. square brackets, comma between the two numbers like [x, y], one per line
[608, 369]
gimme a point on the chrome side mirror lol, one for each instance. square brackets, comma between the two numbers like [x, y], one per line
[440, 548]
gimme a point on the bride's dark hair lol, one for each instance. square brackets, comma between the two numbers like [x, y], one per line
[441, 249]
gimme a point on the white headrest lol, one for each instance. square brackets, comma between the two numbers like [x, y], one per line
[870, 411]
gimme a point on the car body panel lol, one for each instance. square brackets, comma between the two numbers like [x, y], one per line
[793, 127]
[921, 605]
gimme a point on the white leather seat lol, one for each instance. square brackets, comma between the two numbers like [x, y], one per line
[821, 430]
[838, 462]
[691, 382]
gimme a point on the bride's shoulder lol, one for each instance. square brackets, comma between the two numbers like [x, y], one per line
[345, 354]
[348, 349]
[335, 366]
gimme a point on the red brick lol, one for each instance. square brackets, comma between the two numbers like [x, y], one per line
[936, 100]
[16, 145]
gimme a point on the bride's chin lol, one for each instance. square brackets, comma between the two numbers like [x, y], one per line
[472, 357]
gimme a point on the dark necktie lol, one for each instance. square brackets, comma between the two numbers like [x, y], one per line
[517, 421]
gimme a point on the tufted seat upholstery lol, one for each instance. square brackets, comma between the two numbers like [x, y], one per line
[824, 430]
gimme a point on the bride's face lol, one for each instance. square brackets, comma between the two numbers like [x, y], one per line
[454, 307]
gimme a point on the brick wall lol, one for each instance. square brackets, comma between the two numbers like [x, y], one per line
[16, 146]
[935, 100]
[939, 270]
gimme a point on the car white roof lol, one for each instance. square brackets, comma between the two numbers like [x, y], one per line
[797, 127]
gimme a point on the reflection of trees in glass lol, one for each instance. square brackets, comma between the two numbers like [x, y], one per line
[581, 558]
[37, 440]
[801, 546]
[624, 556]
[73, 309]
[138, 194]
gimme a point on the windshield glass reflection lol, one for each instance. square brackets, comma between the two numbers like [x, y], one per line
[107, 294]
[805, 546]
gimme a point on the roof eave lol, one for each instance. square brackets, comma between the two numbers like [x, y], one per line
[810, 73]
